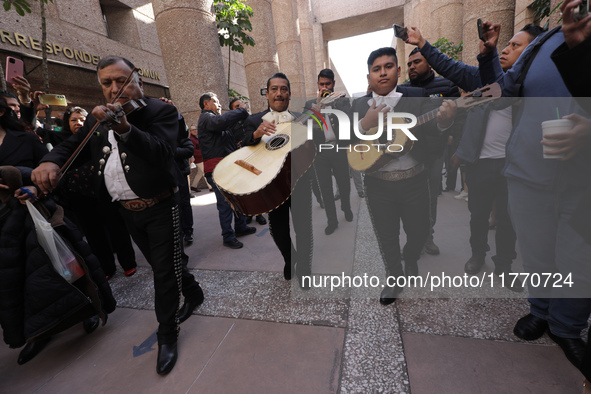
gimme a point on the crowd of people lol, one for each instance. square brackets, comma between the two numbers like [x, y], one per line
[139, 166]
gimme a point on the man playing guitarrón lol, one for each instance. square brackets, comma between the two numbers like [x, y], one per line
[300, 202]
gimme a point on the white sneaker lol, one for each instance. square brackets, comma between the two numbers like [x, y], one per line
[461, 196]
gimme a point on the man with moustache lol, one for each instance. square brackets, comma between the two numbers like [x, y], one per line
[134, 162]
[258, 126]
[544, 193]
[399, 190]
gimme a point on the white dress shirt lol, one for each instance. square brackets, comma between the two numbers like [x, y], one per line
[115, 181]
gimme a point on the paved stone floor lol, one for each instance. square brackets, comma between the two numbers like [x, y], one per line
[257, 333]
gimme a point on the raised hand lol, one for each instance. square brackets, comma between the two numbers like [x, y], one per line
[575, 31]
[490, 33]
[415, 37]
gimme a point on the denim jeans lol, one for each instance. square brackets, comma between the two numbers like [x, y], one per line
[226, 214]
[549, 244]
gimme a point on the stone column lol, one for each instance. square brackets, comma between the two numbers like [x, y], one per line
[289, 47]
[319, 47]
[500, 11]
[260, 61]
[435, 19]
[447, 20]
[190, 24]
[307, 38]
[555, 17]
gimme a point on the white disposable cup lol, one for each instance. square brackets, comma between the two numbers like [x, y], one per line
[550, 127]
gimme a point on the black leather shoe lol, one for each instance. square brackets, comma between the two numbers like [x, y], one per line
[349, 215]
[190, 305]
[261, 220]
[330, 228]
[233, 244]
[573, 348]
[248, 231]
[31, 350]
[167, 355]
[91, 324]
[248, 219]
[530, 327]
[389, 295]
[473, 265]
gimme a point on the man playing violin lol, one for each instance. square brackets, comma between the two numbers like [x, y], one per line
[133, 160]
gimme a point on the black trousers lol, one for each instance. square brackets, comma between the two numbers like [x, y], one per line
[390, 202]
[329, 163]
[300, 204]
[156, 231]
[486, 185]
[105, 231]
[185, 209]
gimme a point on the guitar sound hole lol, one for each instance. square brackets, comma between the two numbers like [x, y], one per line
[277, 142]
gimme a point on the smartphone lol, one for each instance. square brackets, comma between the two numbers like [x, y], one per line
[14, 67]
[582, 11]
[53, 99]
[479, 26]
[400, 32]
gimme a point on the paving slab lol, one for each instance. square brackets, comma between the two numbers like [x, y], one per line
[257, 332]
[65, 350]
[444, 364]
[262, 357]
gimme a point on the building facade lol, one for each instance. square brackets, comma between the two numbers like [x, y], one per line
[174, 42]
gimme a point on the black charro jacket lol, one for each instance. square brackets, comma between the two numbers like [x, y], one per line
[146, 152]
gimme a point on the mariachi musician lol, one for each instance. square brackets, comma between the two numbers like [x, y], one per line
[300, 202]
[133, 160]
[399, 190]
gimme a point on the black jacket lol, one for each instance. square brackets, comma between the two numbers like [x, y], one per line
[184, 149]
[435, 86]
[21, 149]
[35, 301]
[147, 154]
[215, 138]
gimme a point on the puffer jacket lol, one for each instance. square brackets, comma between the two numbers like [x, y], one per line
[35, 301]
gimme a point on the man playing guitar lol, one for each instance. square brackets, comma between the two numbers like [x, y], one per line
[398, 190]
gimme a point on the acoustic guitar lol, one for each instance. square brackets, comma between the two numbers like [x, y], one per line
[370, 156]
[257, 179]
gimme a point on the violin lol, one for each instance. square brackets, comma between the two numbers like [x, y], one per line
[111, 119]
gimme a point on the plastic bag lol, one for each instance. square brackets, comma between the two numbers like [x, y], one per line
[60, 255]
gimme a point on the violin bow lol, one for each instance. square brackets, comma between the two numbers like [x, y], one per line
[71, 159]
